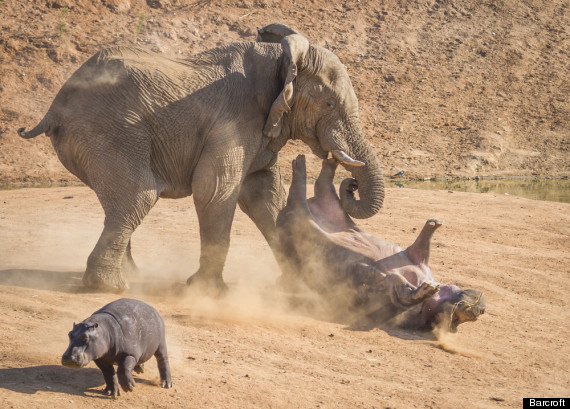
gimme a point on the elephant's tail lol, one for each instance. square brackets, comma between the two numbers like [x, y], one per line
[42, 127]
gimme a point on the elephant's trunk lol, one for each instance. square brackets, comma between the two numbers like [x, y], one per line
[369, 178]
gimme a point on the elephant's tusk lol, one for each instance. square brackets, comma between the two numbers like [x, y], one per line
[343, 158]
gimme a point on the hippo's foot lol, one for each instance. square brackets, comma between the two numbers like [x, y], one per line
[404, 294]
[112, 385]
[208, 284]
[139, 368]
[113, 391]
[103, 277]
[425, 290]
[434, 223]
[166, 383]
[127, 382]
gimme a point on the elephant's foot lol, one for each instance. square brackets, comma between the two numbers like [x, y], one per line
[129, 267]
[208, 284]
[104, 279]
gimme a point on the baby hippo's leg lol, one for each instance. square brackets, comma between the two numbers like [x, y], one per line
[163, 365]
[111, 381]
[125, 373]
[404, 294]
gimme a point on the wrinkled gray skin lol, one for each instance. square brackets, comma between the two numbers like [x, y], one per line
[332, 256]
[126, 333]
[135, 126]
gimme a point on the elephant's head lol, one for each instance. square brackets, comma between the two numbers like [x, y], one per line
[318, 105]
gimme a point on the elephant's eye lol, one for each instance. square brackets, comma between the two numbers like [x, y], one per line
[330, 103]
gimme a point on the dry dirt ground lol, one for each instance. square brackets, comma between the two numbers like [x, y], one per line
[251, 349]
[446, 88]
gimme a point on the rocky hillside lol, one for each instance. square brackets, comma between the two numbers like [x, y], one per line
[447, 88]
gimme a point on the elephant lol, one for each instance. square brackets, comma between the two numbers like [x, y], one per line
[136, 126]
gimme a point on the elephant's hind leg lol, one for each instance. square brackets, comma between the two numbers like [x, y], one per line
[124, 211]
[130, 268]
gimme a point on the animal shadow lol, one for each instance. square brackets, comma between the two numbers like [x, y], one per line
[52, 378]
[71, 282]
[393, 330]
[64, 281]
[351, 317]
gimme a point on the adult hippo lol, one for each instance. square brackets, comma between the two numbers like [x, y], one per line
[327, 252]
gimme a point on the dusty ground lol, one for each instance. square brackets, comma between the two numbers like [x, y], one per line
[250, 350]
[446, 88]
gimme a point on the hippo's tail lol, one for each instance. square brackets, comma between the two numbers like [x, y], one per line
[42, 127]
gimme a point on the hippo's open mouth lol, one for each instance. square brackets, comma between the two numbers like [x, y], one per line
[470, 306]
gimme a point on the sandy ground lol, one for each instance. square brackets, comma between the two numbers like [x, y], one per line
[251, 350]
[453, 89]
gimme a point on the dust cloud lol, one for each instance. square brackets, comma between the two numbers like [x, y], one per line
[452, 343]
[51, 254]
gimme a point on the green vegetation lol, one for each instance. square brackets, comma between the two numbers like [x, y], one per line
[62, 22]
[141, 21]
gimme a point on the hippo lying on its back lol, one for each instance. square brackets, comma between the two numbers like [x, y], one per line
[125, 332]
[327, 252]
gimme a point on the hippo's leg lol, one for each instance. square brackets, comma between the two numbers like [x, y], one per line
[125, 373]
[403, 294]
[419, 251]
[111, 380]
[139, 368]
[163, 365]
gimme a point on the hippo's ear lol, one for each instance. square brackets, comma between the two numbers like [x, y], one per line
[96, 325]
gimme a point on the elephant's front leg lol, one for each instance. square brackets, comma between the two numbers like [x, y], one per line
[215, 226]
[262, 197]
[216, 184]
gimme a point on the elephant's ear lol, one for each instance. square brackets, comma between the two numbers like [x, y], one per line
[295, 47]
[274, 33]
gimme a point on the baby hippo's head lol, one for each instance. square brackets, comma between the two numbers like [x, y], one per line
[85, 345]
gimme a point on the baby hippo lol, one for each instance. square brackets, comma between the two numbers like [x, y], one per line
[125, 332]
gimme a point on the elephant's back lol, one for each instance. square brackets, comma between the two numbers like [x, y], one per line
[126, 74]
[120, 91]
[113, 107]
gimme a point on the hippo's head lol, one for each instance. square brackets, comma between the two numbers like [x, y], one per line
[85, 345]
[453, 306]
